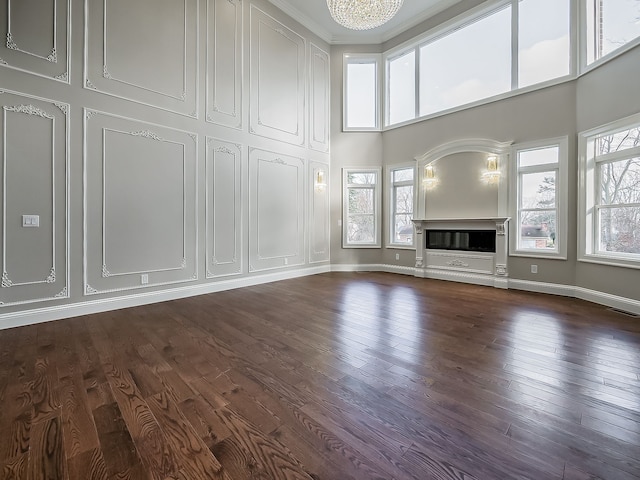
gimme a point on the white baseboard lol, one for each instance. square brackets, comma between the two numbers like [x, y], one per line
[29, 317]
[46, 314]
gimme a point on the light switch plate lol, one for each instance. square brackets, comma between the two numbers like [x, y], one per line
[30, 220]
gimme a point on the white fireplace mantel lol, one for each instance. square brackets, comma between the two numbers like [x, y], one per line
[463, 266]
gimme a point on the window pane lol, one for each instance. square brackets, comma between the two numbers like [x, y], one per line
[540, 156]
[620, 230]
[618, 141]
[619, 23]
[403, 229]
[361, 95]
[361, 178]
[403, 175]
[404, 199]
[402, 88]
[361, 229]
[361, 200]
[538, 190]
[620, 182]
[537, 230]
[469, 64]
[544, 46]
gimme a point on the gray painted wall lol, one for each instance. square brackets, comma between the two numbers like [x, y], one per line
[193, 132]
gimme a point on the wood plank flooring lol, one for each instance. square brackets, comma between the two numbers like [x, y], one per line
[338, 376]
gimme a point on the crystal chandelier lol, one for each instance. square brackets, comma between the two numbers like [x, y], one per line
[363, 14]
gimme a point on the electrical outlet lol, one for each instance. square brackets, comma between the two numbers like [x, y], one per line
[144, 278]
[534, 268]
[397, 256]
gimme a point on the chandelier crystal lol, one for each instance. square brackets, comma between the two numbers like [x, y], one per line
[363, 14]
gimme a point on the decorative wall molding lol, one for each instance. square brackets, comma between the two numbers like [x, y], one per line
[103, 133]
[21, 283]
[277, 79]
[117, 62]
[319, 95]
[224, 166]
[276, 210]
[318, 217]
[50, 60]
[224, 62]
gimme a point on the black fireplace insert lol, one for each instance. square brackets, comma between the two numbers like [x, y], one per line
[465, 240]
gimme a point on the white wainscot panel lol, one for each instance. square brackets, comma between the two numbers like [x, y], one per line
[145, 51]
[319, 99]
[319, 221]
[37, 37]
[277, 80]
[224, 208]
[140, 204]
[34, 199]
[224, 62]
[276, 210]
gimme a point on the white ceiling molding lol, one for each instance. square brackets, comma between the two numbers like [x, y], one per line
[314, 15]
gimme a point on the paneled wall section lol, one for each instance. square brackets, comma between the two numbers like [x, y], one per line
[185, 148]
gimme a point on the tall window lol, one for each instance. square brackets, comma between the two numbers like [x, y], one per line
[361, 207]
[402, 87]
[540, 187]
[610, 24]
[361, 92]
[610, 169]
[401, 180]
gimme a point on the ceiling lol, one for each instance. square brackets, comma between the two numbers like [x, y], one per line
[315, 15]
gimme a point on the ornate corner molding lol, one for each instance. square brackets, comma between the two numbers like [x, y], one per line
[183, 264]
[105, 271]
[277, 160]
[90, 85]
[11, 45]
[194, 137]
[183, 95]
[209, 118]
[147, 134]
[6, 281]
[105, 73]
[29, 110]
[419, 263]
[194, 114]
[2, 62]
[457, 263]
[63, 293]
[53, 56]
[501, 270]
[63, 107]
[89, 289]
[223, 150]
[63, 76]
[52, 276]
[90, 113]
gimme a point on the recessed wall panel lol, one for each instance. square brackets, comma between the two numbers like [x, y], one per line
[318, 219]
[36, 37]
[34, 173]
[319, 100]
[277, 79]
[224, 62]
[276, 223]
[140, 204]
[224, 208]
[145, 51]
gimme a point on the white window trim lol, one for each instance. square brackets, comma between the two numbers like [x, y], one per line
[562, 197]
[587, 187]
[390, 204]
[377, 214]
[350, 58]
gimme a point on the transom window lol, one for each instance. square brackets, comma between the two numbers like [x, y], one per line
[610, 169]
[401, 180]
[361, 92]
[361, 207]
[540, 188]
[610, 25]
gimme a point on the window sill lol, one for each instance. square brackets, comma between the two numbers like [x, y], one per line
[610, 261]
[399, 246]
[533, 254]
[368, 245]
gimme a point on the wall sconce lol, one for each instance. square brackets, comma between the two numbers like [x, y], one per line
[492, 174]
[320, 183]
[429, 179]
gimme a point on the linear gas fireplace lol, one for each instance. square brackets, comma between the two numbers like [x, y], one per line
[472, 250]
[463, 240]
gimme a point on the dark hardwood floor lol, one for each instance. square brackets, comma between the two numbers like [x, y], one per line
[334, 377]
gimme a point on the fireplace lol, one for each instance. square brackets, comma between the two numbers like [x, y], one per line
[471, 250]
